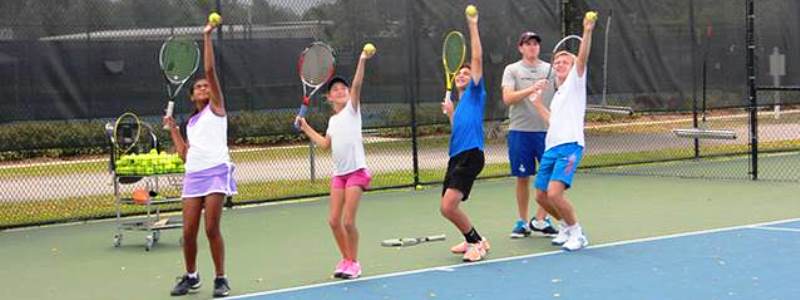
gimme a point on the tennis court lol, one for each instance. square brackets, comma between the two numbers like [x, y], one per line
[744, 262]
[288, 245]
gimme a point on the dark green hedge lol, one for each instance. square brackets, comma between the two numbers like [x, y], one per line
[70, 138]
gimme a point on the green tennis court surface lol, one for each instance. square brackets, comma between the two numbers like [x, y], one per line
[289, 245]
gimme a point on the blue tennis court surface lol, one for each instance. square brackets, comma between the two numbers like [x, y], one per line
[747, 262]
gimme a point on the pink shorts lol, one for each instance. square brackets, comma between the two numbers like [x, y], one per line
[358, 177]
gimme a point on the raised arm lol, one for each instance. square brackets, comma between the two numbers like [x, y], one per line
[358, 78]
[586, 45]
[217, 100]
[476, 49]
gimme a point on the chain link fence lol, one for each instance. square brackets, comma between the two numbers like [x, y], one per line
[67, 68]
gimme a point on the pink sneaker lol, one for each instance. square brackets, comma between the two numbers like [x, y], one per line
[352, 271]
[340, 267]
[462, 247]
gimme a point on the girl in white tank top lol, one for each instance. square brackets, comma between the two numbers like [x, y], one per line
[209, 172]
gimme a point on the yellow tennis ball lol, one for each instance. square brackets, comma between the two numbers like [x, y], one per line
[369, 48]
[214, 18]
[591, 15]
[471, 10]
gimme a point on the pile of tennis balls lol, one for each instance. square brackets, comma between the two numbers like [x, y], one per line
[150, 163]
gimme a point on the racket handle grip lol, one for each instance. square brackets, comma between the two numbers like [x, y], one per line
[302, 113]
[168, 111]
[446, 99]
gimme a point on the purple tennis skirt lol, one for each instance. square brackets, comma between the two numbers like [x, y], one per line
[217, 179]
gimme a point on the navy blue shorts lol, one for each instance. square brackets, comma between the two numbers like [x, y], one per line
[524, 150]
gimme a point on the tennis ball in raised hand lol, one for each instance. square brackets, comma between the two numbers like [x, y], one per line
[369, 48]
[471, 10]
[214, 18]
[591, 15]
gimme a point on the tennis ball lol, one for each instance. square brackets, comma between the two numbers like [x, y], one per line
[591, 15]
[471, 10]
[369, 48]
[214, 18]
[419, 187]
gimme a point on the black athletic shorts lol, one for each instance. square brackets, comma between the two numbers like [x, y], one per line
[462, 170]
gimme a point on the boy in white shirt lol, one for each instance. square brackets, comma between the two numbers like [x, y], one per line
[564, 143]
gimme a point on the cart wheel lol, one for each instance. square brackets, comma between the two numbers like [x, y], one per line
[117, 240]
[156, 236]
[148, 243]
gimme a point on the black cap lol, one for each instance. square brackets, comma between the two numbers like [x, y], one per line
[527, 36]
[336, 79]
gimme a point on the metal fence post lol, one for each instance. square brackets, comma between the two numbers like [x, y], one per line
[412, 85]
[751, 89]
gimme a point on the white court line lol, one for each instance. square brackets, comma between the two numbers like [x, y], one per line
[777, 229]
[455, 267]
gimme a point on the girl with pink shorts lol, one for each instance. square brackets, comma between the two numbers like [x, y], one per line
[350, 175]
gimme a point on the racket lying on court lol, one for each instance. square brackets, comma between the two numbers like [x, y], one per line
[555, 49]
[404, 242]
[126, 133]
[315, 68]
[179, 59]
[454, 50]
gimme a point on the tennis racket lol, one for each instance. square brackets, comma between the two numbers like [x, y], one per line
[127, 130]
[555, 49]
[179, 59]
[454, 50]
[315, 67]
[404, 242]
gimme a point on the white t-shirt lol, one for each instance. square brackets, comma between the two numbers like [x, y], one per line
[567, 111]
[207, 134]
[347, 143]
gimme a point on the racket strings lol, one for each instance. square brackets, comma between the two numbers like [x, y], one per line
[454, 51]
[317, 65]
[180, 59]
[127, 132]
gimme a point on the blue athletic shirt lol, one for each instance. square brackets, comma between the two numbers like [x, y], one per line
[467, 130]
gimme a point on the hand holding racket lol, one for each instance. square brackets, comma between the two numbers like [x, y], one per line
[538, 89]
[315, 67]
[405, 242]
[454, 51]
[178, 59]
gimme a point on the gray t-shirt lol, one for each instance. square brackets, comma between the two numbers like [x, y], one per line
[518, 76]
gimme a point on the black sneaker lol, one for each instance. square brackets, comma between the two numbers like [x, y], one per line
[221, 287]
[185, 285]
[547, 230]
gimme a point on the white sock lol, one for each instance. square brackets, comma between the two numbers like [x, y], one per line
[222, 276]
[576, 229]
[193, 275]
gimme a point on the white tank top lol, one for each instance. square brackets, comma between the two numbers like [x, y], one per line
[208, 141]
[347, 143]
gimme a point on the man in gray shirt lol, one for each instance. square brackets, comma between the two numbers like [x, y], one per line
[527, 130]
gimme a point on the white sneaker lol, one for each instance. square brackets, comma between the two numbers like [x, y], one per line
[575, 242]
[562, 236]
